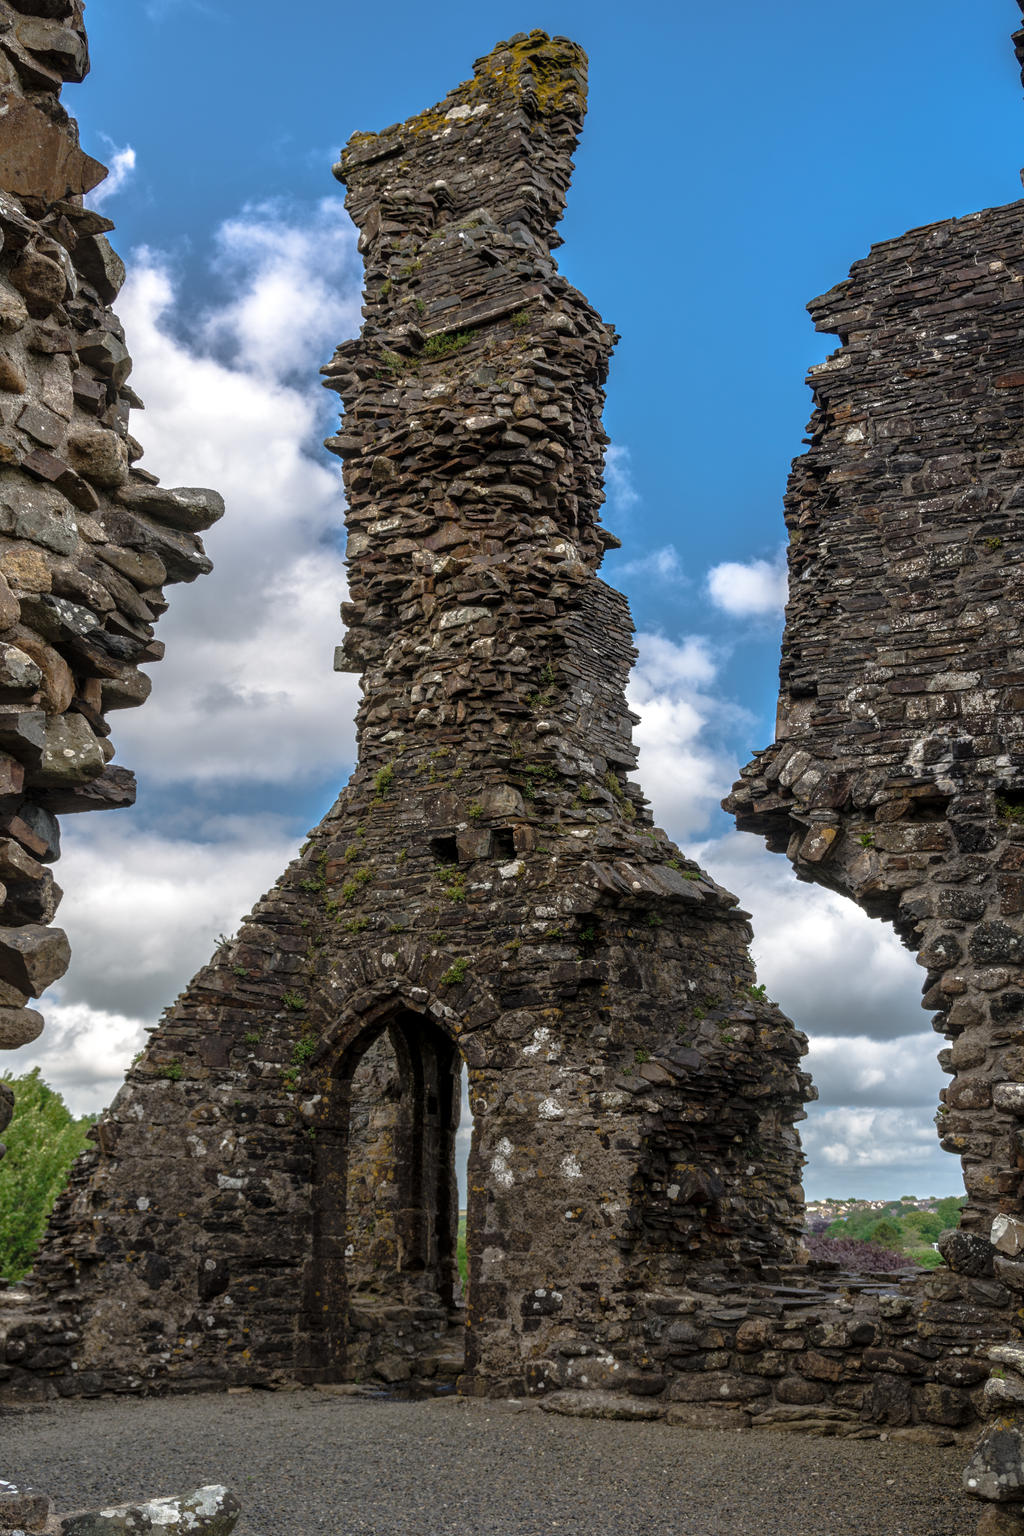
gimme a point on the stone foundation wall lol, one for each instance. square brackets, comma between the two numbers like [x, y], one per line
[88, 540]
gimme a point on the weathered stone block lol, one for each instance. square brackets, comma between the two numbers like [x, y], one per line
[23, 1511]
[210, 1511]
[601, 1404]
[184, 507]
[40, 160]
[33, 957]
[996, 1468]
[19, 1026]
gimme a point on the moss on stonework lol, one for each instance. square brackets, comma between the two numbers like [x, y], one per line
[540, 73]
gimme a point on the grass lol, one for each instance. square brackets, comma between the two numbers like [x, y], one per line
[461, 1257]
[444, 346]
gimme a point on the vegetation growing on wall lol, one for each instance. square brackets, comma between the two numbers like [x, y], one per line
[42, 1140]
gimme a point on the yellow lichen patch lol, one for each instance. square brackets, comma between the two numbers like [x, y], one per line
[538, 72]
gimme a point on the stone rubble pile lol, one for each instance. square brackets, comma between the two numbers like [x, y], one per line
[88, 539]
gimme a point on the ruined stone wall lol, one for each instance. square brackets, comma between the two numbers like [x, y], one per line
[87, 539]
[897, 776]
[489, 889]
[270, 1195]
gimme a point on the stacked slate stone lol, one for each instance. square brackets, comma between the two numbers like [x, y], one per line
[488, 890]
[87, 540]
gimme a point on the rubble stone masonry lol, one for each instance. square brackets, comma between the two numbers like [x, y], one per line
[897, 775]
[271, 1195]
[273, 1189]
[87, 539]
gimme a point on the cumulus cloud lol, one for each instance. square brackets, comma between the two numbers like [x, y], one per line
[121, 170]
[875, 1154]
[242, 691]
[618, 479]
[750, 589]
[83, 1053]
[142, 911]
[849, 984]
[857, 1069]
[869, 1138]
[681, 768]
[660, 565]
[834, 970]
[296, 289]
[247, 691]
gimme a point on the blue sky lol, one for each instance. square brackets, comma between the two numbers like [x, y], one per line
[735, 161]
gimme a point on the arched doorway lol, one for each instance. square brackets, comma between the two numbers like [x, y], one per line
[387, 1297]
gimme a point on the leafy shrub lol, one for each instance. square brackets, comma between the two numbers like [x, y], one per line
[854, 1255]
[42, 1140]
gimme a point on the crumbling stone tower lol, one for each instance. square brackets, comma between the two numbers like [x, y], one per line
[87, 538]
[273, 1188]
[897, 773]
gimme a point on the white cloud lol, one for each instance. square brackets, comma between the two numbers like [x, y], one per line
[666, 664]
[143, 909]
[870, 1138]
[297, 289]
[852, 1070]
[121, 170]
[849, 984]
[247, 689]
[82, 1053]
[680, 769]
[833, 969]
[143, 912]
[750, 589]
[618, 479]
[661, 564]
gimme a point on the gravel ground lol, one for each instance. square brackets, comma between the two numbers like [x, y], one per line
[313, 1461]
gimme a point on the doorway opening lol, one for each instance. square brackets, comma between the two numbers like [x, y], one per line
[387, 1285]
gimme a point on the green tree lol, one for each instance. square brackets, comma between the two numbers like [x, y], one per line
[856, 1225]
[887, 1234]
[42, 1141]
[925, 1224]
[949, 1210]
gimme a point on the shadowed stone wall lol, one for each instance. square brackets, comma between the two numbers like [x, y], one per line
[87, 539]
[489, 889]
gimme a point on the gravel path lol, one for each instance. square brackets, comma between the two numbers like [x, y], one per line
[312, 1461]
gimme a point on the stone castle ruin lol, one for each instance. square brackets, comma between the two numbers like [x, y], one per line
[272, 1194]
[88, 539]
[273, 1190]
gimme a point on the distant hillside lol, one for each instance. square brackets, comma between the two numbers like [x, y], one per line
[860, 1231]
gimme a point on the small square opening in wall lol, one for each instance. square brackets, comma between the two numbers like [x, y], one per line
[503, 844]
[1010, 805]
[445, 849]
